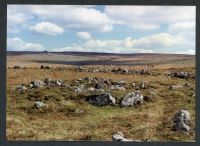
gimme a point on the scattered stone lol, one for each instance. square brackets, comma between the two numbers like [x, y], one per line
[79, 111]
[133, 84]
[120, 83]
[117, 87]
[21, 88]
[66, 85]
[181, 74]
[187, 85]
[58, 83]
[102, 100]
[182, 121]
[47, 81]
[89, 79]
[132, 99]
[79, 68]
[150, 65]
[39, 104]
[91, 89]
[175, 87]
[31, 85]
[119, 136]
[16, 67]
[55, 83]
[45, 67]
[145, 72]
[107, 82]
[36, 84]
[100, 90]
[79, 89]
[142, 85]
[98, 86]
[79, 80]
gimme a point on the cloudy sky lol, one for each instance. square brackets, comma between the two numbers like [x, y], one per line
[114, 29]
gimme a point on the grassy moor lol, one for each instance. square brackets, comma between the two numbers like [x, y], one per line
[80, 96]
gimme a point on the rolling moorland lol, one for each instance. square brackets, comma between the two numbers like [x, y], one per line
[79, 76]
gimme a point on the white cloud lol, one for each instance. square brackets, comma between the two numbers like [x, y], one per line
[16, 16]
[143, 26]
[88, 18]
[160, 42]
[84, 35]
[47, 28]
[188, 25]
[16, 19]
[150, 15]
[184, 28]
[79, 18]
[174, 25]
[17, 44]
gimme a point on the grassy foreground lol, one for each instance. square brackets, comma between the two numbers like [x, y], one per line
[149, 121]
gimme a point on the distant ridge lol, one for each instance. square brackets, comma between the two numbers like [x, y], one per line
[88, 53]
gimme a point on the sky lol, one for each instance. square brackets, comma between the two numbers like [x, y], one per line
[101, 28]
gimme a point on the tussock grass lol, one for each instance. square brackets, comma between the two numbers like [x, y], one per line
[149, 121]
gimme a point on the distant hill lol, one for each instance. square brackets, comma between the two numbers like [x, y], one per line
[29, 58]
[91, 53]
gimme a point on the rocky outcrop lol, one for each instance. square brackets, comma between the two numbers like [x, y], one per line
[36, 84]
[182, 121]
[132, 99]
[180, 74]
[102, 100]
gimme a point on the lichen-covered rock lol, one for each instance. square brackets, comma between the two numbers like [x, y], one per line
[102, 100]
[39, 104]
[132, 99]
[58, 83]
[55, 83]
[79, 89]
[21, 88]
[36, 84]
[182, 121]
[119, 136]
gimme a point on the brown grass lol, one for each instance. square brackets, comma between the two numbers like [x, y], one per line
[150, 121]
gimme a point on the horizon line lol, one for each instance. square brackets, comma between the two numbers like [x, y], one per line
[97, 52]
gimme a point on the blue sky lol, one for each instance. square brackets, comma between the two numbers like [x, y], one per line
[112, 29]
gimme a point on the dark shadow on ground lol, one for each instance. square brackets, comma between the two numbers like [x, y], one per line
[108, 62]
[93, 62]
